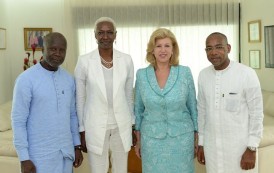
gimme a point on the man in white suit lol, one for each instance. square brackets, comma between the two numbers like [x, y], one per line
[104, 91]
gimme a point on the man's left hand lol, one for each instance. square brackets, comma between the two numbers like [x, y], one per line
[78, 158]
[248, 159]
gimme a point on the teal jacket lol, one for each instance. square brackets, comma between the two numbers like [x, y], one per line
[169, 111]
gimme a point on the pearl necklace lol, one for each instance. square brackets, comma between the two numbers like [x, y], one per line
[106, 64]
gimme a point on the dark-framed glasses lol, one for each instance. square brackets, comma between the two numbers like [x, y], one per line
[218, 48]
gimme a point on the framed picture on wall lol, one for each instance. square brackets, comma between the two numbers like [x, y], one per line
[269, 44]
[254, 31]
[2, 38]
[34, 36]
[254, 58]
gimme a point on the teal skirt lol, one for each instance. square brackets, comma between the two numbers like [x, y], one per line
[168, 155]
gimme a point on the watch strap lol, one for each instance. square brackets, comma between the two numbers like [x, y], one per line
[252, 148]
[78, 147]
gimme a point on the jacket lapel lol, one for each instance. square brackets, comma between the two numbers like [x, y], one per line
[98, 73]
[116, 72]
[151, 77]
[172, 78]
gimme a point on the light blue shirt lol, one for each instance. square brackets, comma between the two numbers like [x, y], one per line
[44, 118]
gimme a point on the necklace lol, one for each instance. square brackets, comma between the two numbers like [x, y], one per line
[105, 63]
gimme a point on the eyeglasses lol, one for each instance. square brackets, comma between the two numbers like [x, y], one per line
[103, 33]
[218, 48]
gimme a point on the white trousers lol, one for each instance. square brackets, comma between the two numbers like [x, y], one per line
[112, 146]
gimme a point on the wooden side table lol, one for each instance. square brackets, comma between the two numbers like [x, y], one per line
[134, 163]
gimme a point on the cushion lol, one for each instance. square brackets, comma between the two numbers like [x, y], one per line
[6, 144]
[268, 136]
[5, 116]
[268, 120]
[9, 164]
[268, 106]
[265, 95]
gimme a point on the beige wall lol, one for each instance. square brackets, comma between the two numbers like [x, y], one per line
[5, 62]
[14, 16]
[254, 10]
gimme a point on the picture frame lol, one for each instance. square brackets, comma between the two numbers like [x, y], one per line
[35, 36]
[3, 38]
[269, 42]
[255, 59]
[254, 31]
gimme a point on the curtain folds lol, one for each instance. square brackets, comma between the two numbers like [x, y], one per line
[190, 20]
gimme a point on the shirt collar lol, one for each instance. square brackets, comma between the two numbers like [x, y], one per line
[224, 70]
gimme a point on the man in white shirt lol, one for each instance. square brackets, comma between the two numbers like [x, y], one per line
[230, 112]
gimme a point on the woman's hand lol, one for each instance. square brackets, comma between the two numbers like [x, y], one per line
[138, 144]
[201, 155]
[137, 148]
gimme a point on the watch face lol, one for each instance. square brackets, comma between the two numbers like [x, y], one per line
[252, 148]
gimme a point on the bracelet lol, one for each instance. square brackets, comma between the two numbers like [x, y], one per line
[78, 147]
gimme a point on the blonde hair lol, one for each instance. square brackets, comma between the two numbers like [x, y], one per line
[162, 33]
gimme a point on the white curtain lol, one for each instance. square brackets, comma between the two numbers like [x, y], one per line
[190, 20]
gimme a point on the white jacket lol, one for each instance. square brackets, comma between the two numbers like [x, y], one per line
[91, 98]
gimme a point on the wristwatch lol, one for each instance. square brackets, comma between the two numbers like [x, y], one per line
[252, 148]
[78, 147]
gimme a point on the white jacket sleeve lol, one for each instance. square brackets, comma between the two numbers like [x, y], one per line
[253, 95]
[129, 89]
[80, 80]
[201, 111]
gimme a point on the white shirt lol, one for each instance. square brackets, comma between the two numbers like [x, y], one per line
[230, 115]
[108, 75]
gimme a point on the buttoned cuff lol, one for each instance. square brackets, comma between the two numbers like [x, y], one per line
[81, 128]
[23, 154]
[76, 139]
[201, 140]
[137, 127]
[253, 141]
[133, 120]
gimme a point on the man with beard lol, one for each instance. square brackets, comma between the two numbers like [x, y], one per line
[44, 119]
[230, 112]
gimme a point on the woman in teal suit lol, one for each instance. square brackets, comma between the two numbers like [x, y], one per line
[165, 109]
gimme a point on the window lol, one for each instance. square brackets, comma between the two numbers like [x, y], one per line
[191, 40]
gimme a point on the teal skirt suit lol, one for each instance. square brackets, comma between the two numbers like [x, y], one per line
[166, 119]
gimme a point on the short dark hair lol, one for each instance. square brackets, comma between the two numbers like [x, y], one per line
[48, 39]
[220, 34]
